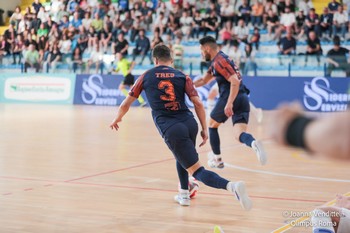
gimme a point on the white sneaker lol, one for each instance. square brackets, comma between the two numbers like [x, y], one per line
[215, 161]
[260, 152]
[238, 189]
[183, 198]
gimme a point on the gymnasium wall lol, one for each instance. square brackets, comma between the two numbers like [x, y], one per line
[315, 93]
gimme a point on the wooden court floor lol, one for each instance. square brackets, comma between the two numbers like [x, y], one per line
[63, 170]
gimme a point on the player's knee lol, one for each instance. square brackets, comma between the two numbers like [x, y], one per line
[213, 123]
[195, 167]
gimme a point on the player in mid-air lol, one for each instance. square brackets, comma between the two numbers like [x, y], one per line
[165, 89]
[233, 102]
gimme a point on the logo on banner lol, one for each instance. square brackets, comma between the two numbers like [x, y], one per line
[320, 97]
[94, 92]
[37, 89]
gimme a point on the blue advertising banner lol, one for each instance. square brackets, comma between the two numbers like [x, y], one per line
[37, 88]
[98, 89]
[315, 94]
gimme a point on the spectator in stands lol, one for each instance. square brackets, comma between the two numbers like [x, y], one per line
[257, 13]
[76, 21]
[148, 20]
[272, 23]
[197, 25]
[10, 35]
[97, 23]
[77, 60]
[211, 24]
[178, 51]
[186, 22]
[121, 45]
[142, 46]
[4, 47]
[53, 59]
[234, 52]
[255, 38]
[305, 5]
[92, 35]
[31, 59]
[82, 39]
[23, 25]
[241, 32]
[313, 47]
[161, 23]
[248, 59]
[287, 45]
[169, 41]
[245, 11]
[227, 33]
[127, 22]
[157, 39]
[43, 15]
[18, 48]
[326, 21]
[29, 14]
[300, 23]
[287, 22]
[227, 13]
[64, 24]
[16, 16]
[36, 6]
[136, 27]
[95, 59]
[340, 21]
[333, 6]
[270, 6]
[290, 5]
[201, 5]
[42, 31]
[105, 39]
[312, 23]
[42, 47]
[65, 46]
[173, 25]
[337, 59]
[54, 33]
[86, 22]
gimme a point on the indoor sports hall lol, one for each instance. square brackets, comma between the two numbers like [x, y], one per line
[65, 67]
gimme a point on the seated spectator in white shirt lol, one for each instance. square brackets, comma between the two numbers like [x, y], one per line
[340, 21]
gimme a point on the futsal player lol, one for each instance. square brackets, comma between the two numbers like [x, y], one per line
[165, 89]
[233, 102]
[125, 66]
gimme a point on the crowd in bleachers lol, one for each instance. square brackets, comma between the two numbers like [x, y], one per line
[79, 33]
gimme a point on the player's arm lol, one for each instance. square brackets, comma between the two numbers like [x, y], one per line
[234, 89]
[122, 110]
[202, 81]
[198, 106]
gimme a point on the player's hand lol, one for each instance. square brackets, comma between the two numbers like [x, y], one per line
[228, 110]
[115, 125]
[204, 135]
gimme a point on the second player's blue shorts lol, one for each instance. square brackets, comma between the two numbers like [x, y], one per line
[241, 109]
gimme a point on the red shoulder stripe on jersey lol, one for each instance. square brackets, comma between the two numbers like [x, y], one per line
[189, 87]
[137, 87]
[224, 68]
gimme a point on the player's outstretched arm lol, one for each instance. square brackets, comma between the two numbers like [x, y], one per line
[200, 111]
[328, 135]
[202, 81]
[122, 110]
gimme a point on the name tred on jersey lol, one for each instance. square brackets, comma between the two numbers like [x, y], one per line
[165, 75]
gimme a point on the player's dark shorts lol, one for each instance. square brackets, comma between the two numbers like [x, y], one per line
[241, 109]
[181, 140]
[129, 80]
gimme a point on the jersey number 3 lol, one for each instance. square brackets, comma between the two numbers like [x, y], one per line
[169, 90]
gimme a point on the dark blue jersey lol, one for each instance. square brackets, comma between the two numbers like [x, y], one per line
[165, 89]
[222, 68]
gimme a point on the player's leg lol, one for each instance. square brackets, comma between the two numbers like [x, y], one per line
[217, 117]
[240, 119]
[179, 139]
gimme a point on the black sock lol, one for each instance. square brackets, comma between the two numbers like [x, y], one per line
[210, 178]
[246, 138]
[183, 176]
[214, 140]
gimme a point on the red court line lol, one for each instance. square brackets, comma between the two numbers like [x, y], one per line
[121, 169]
[200, 193]
[29, 179]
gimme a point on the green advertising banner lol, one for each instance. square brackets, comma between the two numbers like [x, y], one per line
[37, 88]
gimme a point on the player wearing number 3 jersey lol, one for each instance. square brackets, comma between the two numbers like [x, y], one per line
[165, 89]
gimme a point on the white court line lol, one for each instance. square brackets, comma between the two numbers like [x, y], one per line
[286, 175]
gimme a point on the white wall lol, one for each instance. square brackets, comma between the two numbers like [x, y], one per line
[9, 5]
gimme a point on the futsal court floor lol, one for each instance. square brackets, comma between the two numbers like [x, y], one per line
[62, 169]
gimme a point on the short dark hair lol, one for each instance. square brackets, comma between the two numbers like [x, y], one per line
[336, 40]
[208, 40]
[162, 52]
